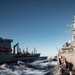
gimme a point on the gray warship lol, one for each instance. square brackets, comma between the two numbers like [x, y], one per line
[67, 54]
[10, 54]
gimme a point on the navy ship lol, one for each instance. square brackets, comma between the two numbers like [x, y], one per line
[66, 55]
[10, 54]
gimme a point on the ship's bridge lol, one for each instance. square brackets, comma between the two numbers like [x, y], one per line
[5, 45]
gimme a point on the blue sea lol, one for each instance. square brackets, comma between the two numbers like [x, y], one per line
[38, 67]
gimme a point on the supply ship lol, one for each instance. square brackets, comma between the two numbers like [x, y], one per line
[10, 54]
[66, 55]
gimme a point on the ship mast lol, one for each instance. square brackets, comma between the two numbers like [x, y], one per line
[74, 32]
[74, 29]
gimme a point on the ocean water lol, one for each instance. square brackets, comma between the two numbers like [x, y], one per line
[38, 67]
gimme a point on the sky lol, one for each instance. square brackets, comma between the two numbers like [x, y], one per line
[37, 23]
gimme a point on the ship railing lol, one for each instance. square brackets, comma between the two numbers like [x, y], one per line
[67, 51]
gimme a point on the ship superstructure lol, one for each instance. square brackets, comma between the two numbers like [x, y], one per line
[7, 54]
[5, 45]
[68, 49]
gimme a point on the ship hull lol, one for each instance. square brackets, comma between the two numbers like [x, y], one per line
[9, 58]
